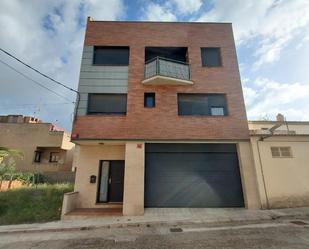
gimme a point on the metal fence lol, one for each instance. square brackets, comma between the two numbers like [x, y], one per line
[167, 67]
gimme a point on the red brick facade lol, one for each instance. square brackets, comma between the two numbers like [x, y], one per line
[163, 122]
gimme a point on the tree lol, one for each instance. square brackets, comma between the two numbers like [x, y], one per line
[8, 162]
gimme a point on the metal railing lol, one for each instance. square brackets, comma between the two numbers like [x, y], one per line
[167, 67]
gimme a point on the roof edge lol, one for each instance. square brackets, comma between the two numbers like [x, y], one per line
[159, 22]
[274, 121]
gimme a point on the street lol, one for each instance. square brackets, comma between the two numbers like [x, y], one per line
[269, 234]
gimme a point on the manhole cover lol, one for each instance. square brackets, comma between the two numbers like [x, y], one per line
[300, 223]
[176, 230]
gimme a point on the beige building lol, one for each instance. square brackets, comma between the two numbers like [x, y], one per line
[281, 157]
[46, 148]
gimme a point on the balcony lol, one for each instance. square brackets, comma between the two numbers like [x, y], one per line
[162, 71]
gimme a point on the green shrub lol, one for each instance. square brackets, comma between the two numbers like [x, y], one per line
[39, 203]
[25, 177]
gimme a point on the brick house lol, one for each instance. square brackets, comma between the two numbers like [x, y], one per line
[161, 121]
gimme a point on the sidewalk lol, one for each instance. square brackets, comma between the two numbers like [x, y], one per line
[161, 216]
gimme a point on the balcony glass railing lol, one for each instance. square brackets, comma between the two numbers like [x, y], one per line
[168, 68]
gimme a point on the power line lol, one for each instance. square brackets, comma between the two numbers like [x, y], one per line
[46, 76]
[35, 104]
[36, 82]
[32, 68]
[3, 107]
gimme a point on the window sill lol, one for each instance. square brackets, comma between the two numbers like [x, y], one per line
[107, 114]
[213, 67]
[204, 116]
[282, 157]
[109, 65]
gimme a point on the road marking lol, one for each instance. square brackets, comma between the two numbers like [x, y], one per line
[265, 225]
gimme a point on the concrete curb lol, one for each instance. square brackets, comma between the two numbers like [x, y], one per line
[270, 215]
[130, 224]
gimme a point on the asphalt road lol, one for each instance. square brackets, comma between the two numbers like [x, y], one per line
[277, 234]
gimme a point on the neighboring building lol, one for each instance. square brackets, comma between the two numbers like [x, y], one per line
[46, 148]
[161, 121]
[281, 157]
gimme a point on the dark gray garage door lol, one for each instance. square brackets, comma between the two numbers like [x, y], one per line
[192, 175]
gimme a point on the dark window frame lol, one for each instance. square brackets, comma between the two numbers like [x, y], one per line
[220, 57]
[168, 53]
[225, 108]
[37, 156]
[107, 113]
[51, 160]
[152, 95]
[110, 64]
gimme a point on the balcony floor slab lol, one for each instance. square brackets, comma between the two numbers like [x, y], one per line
[164, 80]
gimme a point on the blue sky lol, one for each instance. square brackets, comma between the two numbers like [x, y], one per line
[272, 40]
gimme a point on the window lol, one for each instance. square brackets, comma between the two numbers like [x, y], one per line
[149, 100]
[107, 103]
[202, 104]
[37, 156]
[54, 157]
[211, 57]
[217, 111]
[281, 151]
[173, 53]
[105, 56]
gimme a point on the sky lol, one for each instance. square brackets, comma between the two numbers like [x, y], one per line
[272, 42]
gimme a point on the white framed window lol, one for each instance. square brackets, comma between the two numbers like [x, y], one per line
[217, 111]
[285, 151]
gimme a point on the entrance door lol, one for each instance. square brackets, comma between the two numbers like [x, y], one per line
[111, 180]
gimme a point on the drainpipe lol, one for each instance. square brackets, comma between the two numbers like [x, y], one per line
[280, 121]
[262, 171]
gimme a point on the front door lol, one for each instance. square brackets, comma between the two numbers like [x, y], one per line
[111, 178]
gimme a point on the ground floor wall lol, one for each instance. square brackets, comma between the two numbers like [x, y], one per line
[282, 181]
[87, 162]
[248, 176]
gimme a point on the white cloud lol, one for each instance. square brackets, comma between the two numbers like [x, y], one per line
[269, 51]
[187, 6]
[170, 9]
[303, 42]
[104, 9]
[266, 97]
[55, 50]
[156, 12]
[273, 23]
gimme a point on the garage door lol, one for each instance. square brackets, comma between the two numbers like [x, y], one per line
[192, 175]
